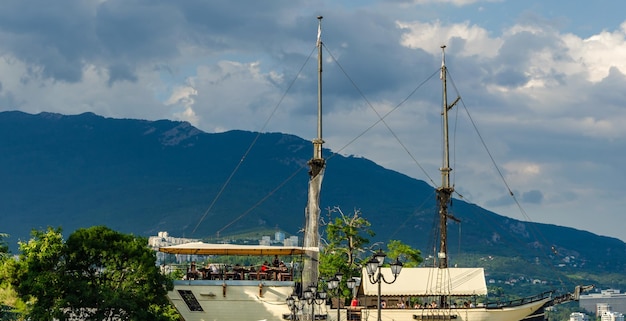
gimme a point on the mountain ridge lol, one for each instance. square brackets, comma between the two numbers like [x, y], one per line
[141, 177]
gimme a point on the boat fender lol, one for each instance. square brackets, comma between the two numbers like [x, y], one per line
[224, 289]
[261, 290]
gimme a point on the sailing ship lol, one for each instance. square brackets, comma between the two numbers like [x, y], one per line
[443, 292]
[250, 292]
[245, 293]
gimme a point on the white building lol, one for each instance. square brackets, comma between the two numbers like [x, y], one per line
[601, 308]
[578, 316]
[265, 240]
[612, 316]
[606, 300]
[291, 241]
[164, 239]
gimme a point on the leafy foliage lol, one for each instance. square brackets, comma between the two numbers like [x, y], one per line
[11, 307]
[405, 253]
[345, 242]
[98, 274]
[347, 235]
[38, 277]
[562, 312]
[4, 246]
[347, 247]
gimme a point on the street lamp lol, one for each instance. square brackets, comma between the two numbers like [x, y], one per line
[351, 284]
[335, 283]
[293, 306]
[310, 296]
[313, 297]
[375, 275]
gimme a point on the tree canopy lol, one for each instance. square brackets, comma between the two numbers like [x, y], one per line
[4, 247]
[346, 239]
[97, 274]
[346, 247]
[409, 256]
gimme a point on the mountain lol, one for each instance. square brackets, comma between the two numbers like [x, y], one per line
[142, 177]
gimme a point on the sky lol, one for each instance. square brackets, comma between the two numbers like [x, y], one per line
[542, 110]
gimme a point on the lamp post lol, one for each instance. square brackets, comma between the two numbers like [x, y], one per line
[352, 283]
[313, 297]
[335, 283]
[293, 306]
[375, 275]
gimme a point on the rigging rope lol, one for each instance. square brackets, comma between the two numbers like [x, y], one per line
[380, 119]
[256, 138]
[535, 232]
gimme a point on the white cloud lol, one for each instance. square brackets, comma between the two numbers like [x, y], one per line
[183, 97]
[431, 36]
[25, 88]
[547, 99]
[599, 52]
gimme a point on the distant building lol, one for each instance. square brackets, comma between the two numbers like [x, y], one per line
[279, 236]
[612, 316]
[602, 307]
[578, 316]
[164, 239]
[265, 240]
[291, 241]
[610, 300]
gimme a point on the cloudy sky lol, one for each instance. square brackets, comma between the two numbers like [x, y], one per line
[542, 82]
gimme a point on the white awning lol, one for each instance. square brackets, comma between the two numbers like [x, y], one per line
[423, 281]
[200, 248]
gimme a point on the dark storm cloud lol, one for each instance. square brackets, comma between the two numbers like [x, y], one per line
[122, 35]
[54, 37]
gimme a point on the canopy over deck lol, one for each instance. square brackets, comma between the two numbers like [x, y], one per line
[423, 282]
[201, 248]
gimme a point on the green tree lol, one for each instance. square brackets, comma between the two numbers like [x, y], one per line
[4, 246]
[345, 240]
[346, 247]
[11, 307]
[98, 274]
[409, 256]
[562, 312]
[37, 277]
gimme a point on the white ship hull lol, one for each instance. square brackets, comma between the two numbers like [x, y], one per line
[246, 300]
[242, 300]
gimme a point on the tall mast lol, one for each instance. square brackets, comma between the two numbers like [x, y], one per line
[317, 143]
[444, 192]
[317, 164]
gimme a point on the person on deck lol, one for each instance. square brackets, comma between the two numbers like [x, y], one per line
[213, 268]
[193, 273]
